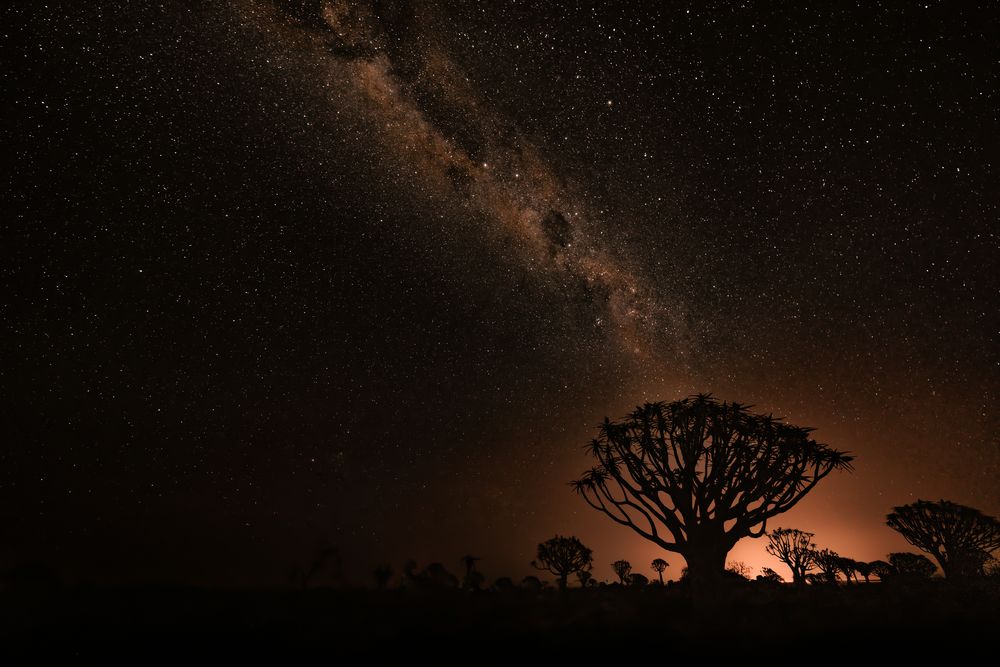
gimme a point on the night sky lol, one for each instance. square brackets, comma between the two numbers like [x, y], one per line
[280, 275]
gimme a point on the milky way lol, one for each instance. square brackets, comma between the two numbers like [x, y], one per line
[427, 118]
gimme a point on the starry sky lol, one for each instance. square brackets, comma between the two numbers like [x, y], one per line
[285, 274]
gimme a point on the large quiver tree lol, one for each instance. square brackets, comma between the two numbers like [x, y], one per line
[960, 538]
[696, 475]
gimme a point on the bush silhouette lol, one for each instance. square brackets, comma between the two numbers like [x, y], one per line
[637, 580]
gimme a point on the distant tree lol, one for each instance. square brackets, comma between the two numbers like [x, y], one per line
[503, 584]
[659, 565]
[382, 575]
[880, 569]
[740, 569]
[470, 563]
[911, 566]
[795, 549]
[864, 569]
[437, 575]
[707, 473]
[622, 568]
[585, 578]
[434, 576]
[637, 580]
[849, 568]
[562, 556]
[770, 576]
[532, 584]
[959, 538]
[473, 580]
[828, 563]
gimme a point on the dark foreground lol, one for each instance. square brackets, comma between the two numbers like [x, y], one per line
[749, 620]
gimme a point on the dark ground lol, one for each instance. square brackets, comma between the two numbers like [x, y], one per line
[751, 620]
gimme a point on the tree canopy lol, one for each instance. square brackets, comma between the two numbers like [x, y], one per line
[696, 475]
[960, 538]
[562, 556]
[795, 549]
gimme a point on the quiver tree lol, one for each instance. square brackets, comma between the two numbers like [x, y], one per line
[828, 563]
[849, 567]
[959, 538]
[881, 569]
[695, 476]
[562, 556]
[622, 568]
[795, 549]
[659, 565]
[910, 566]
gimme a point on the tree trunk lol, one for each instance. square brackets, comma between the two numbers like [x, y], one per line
[661, 577]
[706, 565]
[562, 581]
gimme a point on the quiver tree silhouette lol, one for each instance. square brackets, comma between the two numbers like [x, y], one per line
[849, 568]
[959, 538]
[562, 556]
[828, 563]
[695, 476]
[659, 565]
[864, 569]
[881, 569]
[905, 565]
[585, 577]
[622, 568]
[795, 549]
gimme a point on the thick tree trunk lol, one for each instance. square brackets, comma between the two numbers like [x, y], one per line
[706, 564]
[562, 581]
